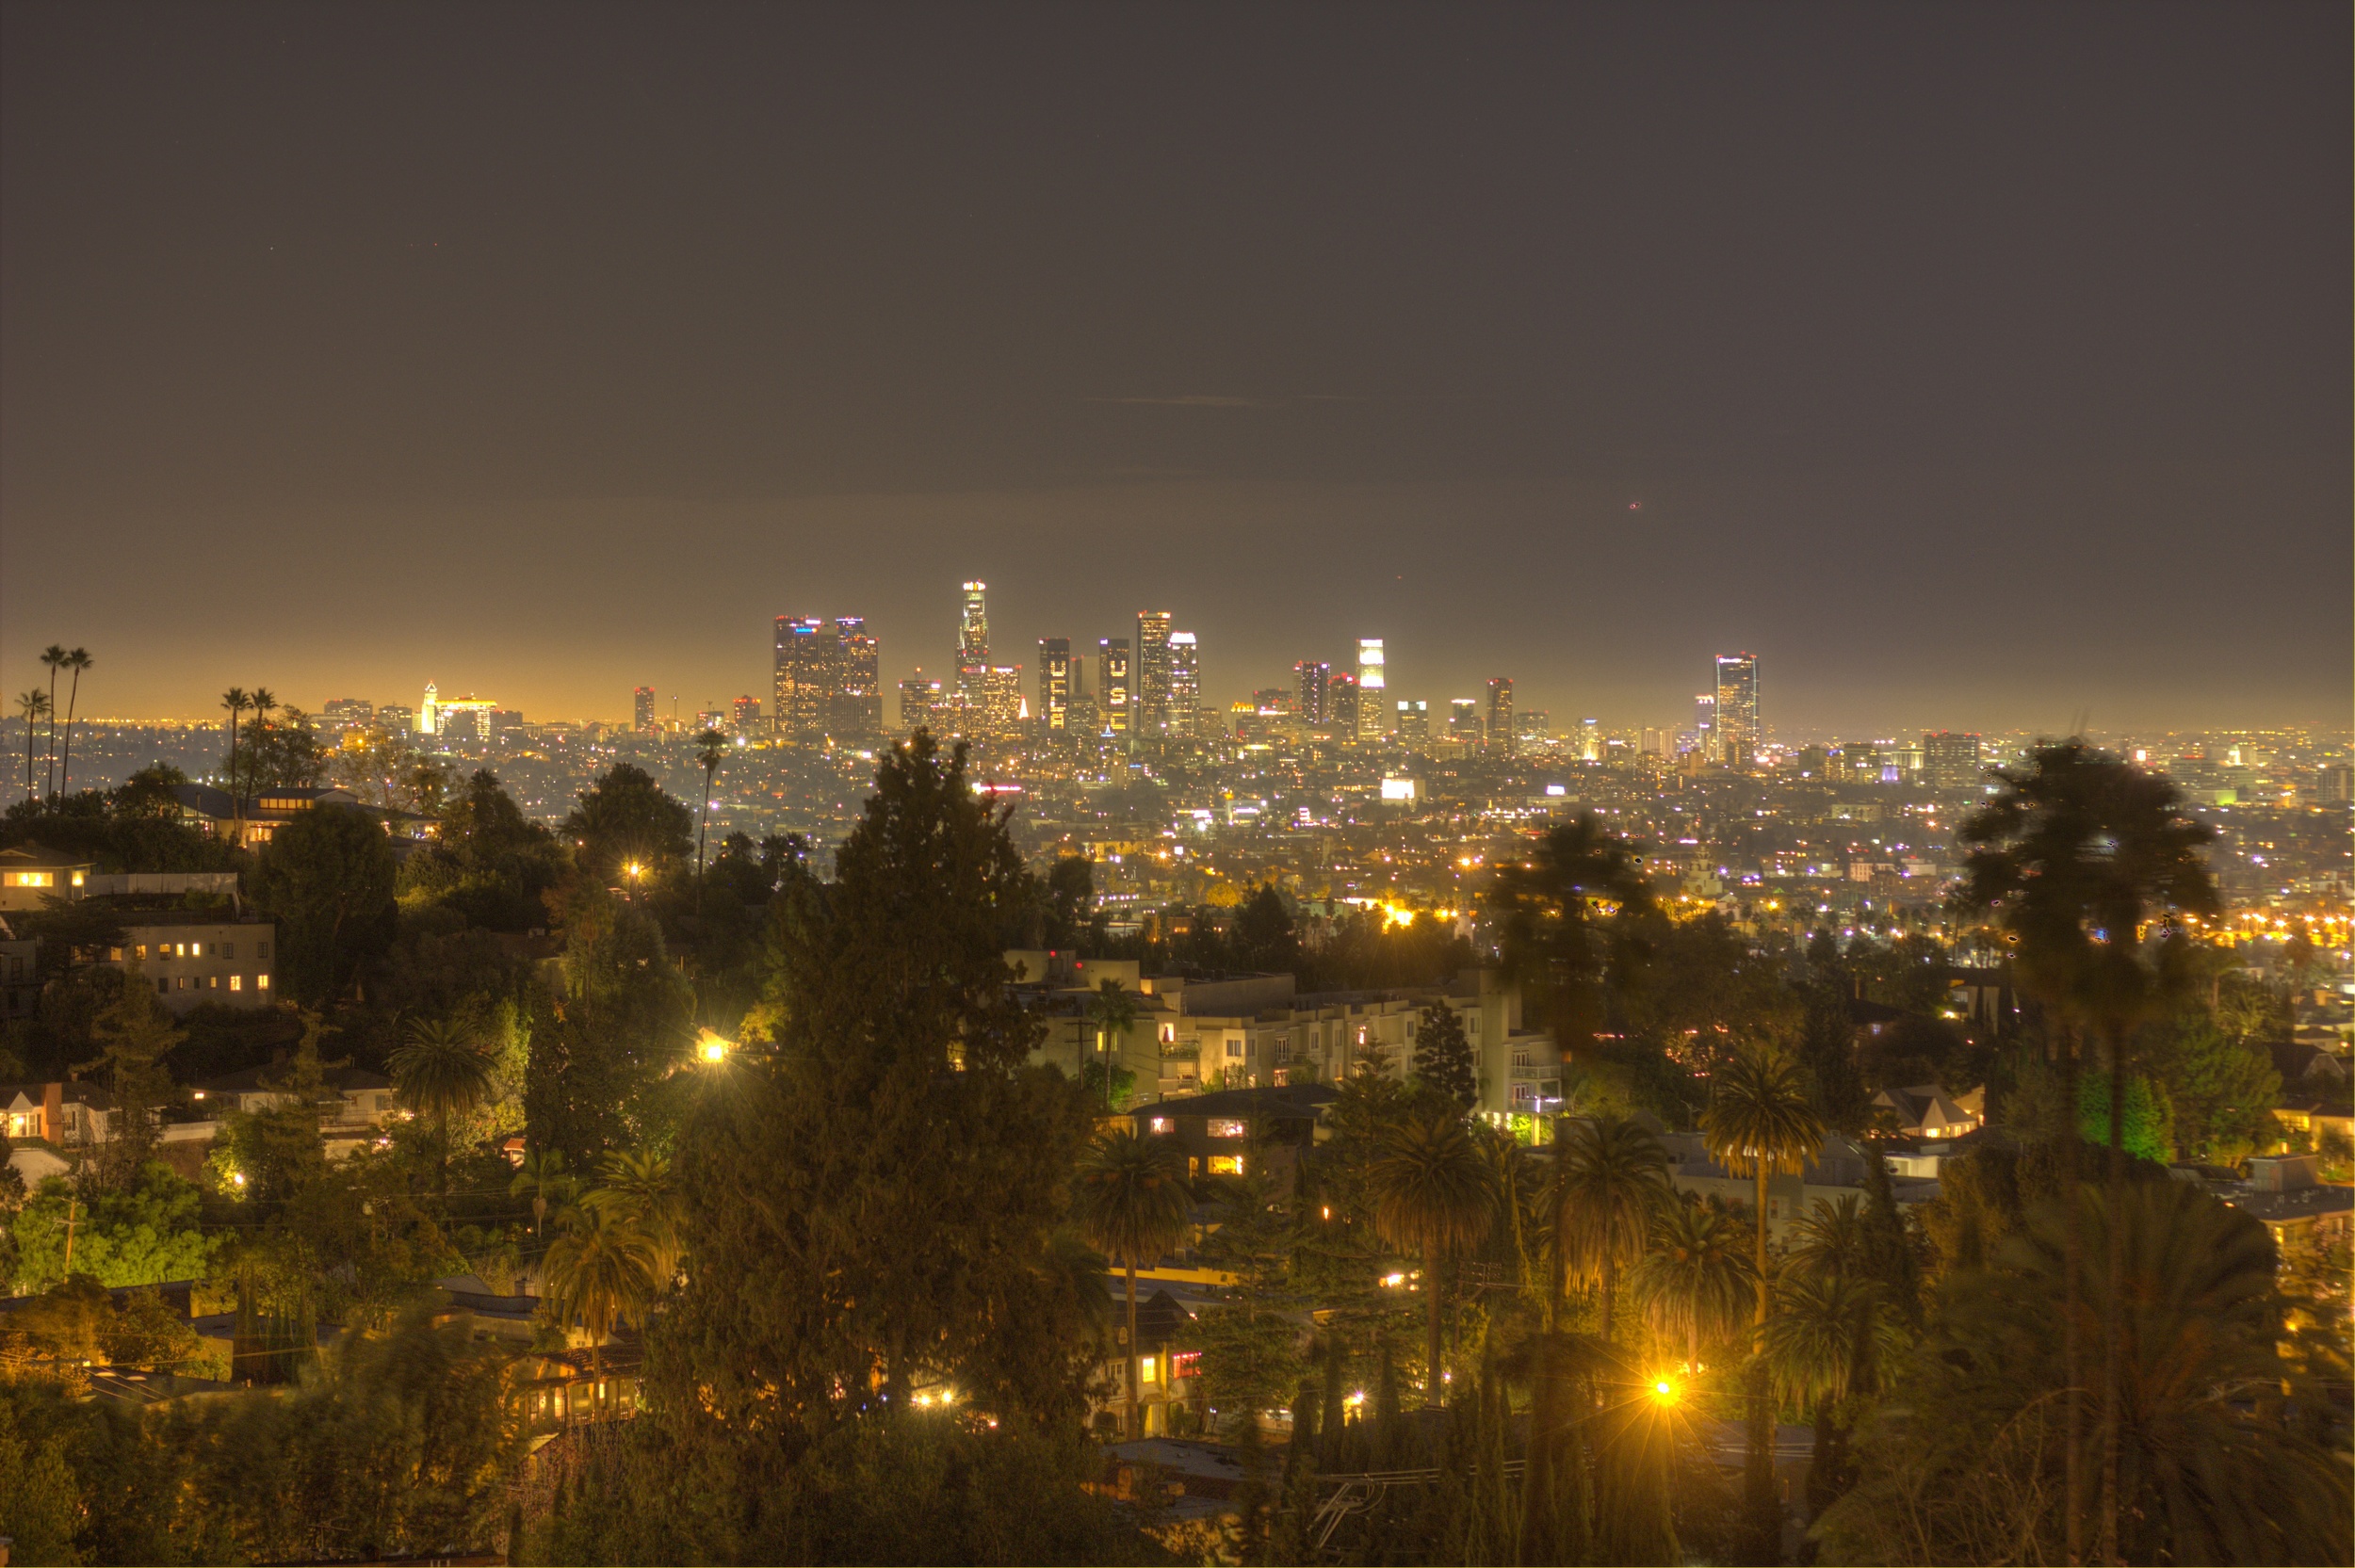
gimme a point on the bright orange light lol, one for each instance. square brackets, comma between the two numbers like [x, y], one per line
[1665, 1391]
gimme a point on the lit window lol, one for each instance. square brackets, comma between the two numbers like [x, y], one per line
[182, 983]
[1146, 1367]
[139, 952]
[261, 982]
[1222, 1128]
[212, 983]
[237, 983]
[1158, 1124]
[1226, 1165]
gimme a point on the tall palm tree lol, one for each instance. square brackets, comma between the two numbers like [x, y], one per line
[542, 1175]
[1565, 918]
[33, 706]
[1114, 1008]
[603, 1271]
[1431, 1191]
[1826, 1340]
[1832, 1241]
[236, 700]
[1760, 1122]
[265, 703]
[442, 1073]
[1133, 1208]
[710, 747]
[55, 657]
[76, 661]
[1698, 1283]
[1610, 1177]
[2076, 856]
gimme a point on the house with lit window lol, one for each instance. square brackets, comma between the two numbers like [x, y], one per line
[29, 874]
[63, 1115]
[198, 956]
[353, 1107]
[253, 821]
[1214, 1134]
[1168, 1377]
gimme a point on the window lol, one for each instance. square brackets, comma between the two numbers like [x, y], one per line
[1226, 1165]
[237, 983]
[261, 982]
[1146, 1366]
[261, 950]
[212, 983]
[1157, 1124]
[1234, 1048]
[1410, 1027]
[162, 983]
[139, 952]
[180, 982]
[225, 949]
[32, 878]
[1221, 1128]
[1471, 1025]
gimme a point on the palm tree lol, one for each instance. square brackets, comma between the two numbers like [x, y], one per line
[33, 706]
[1760, 1122]
[76, 661]
[542, 1175]
[603, 1271]
[442, 1073]
[1431, 1191]
[236, 700]
[1610, 1177]
[1114, 1008]
[1832, 1241]
[1824, 1343]
[710, 747]
[641, 1186]
[56, 658]
[264, 705]
[1134, 1207]
[2075, 856]
[1698, 1283]
[1553, 910]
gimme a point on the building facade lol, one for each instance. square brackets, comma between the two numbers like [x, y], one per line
[1502, 737]
[1054, 685]
[196, 958]
[1736, 710]
[1185, 683]
[856, 700]
[805, 660]
[1152, 672]
[1373, 697]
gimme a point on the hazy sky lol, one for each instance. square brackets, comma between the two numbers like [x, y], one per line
[1972, 366]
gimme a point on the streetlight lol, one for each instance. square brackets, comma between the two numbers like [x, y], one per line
[634, 871]
[1664, 1392]
[711, 1048]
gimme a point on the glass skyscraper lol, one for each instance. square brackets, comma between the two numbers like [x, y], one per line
[1737, 731]
[1373, 706]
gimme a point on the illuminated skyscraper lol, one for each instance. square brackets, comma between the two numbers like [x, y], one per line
[1737, 710]
[1185, 682]
[919, 705]
[1374, 707]
[642, 711]
[1115, 688]
[1705, 725]
[973, 647]
[1054, 684]
[1501, 737]
[1951, 761]
[1463, 721]
[805, 678]
[1001, 702]
[1414, 722]
[1152, 672]
[1309, 677]
[744, 717]
[1590, 740]
[1340, 706]
[856, 716]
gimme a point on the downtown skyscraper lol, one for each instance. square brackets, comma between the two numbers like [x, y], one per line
[828, 682]
[1152, 672]
[1736, 710]
[1374, 698]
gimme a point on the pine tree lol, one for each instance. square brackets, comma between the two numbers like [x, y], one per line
[1443, 1057]
[871, 1194]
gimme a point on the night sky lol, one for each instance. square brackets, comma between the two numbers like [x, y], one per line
[1974, 365]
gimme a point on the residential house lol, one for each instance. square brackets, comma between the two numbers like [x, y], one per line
[1835, 1171]
[353, 1114]
[1214, 1132]
[1167, 1377]
[31, 874]
[1927, 1111]
[2284, 1193]
[199, 957]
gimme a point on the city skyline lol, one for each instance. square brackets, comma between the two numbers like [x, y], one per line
[1844, 369]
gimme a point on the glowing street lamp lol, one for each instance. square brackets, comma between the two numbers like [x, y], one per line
[711, 1048]
[1664, 1392]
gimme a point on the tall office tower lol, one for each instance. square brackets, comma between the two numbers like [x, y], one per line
[1054, 684]
[1463, 721]
[1951, 761]
[1002, 707]
[1501, 737]
[1737, 709]
[1309, 678]
[1532, 724]
[1115, 684]
[1152, 672]
[1705, 725]
[1185, 682]
[1340, 706]
[642, 711]
[1414, 722]
[807, 656]
[744, 717]
[855, 716]
[1374, 709]
[920, 705]
[973, 647]
[1652, 742]
[1590, 740]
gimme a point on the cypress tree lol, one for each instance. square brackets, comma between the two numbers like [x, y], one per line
[1443, 1059]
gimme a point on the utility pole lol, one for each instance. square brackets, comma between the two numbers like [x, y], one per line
[70, 1201]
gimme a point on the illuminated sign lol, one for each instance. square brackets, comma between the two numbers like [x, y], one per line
[1398, 790]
